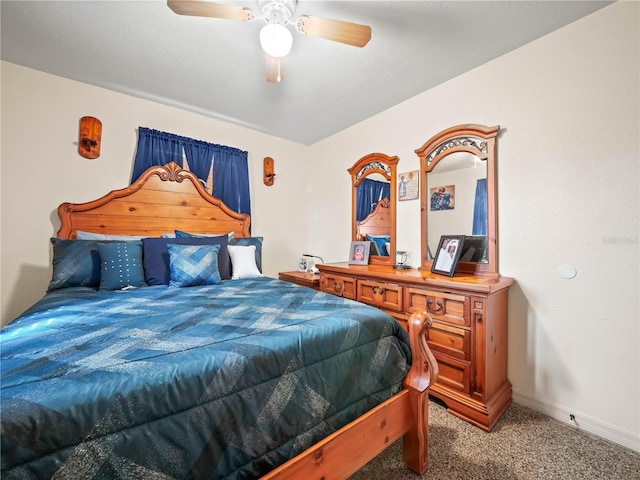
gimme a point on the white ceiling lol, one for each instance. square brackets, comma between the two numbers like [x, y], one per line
[216, 67]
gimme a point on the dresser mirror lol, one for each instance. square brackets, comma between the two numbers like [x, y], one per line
[373, 205]
[458, 195]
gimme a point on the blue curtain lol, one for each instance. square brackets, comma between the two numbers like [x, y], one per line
[200, 158]
[231, 171]
[480, 208]
[155, 148]
[231, 178]
[368, 194]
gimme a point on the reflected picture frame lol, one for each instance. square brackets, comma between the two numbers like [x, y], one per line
[447, 255]
[359, 253]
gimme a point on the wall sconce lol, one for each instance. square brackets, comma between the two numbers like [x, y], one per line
[90, 136]
[269, 175]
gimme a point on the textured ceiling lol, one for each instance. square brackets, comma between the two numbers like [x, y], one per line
[216, 67]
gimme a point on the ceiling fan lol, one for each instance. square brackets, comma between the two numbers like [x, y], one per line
[275, 38]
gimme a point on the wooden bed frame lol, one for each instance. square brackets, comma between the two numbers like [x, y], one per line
[163, 199]
[168, 198]
[378, 222]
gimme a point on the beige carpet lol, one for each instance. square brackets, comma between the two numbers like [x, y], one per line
[524, 445]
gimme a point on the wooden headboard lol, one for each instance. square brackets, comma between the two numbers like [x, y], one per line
[163, 199]
[378, 222]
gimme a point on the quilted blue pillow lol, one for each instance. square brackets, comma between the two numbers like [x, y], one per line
[121, 265]
[76, 263]
[183, 234]
[156, 257]
[192, 265]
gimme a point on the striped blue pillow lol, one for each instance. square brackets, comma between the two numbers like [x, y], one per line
[191, 265]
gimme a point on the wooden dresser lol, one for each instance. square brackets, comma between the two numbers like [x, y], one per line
[306, 279]
[468, 336]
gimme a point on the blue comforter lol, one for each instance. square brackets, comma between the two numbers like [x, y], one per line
[221, 381]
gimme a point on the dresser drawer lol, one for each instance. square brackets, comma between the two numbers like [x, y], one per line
[454, 341]
[339, 285]
[454, 374]
[380, 294]
[447, 307]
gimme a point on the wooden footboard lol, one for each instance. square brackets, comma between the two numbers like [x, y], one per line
[405, 414]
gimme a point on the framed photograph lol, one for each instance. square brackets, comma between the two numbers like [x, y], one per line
[303, 264]
[443, 198]
[448, 254]
[408, 186]
[359, 253]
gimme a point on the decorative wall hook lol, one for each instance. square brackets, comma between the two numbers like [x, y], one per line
[90, 136]
[269, 175]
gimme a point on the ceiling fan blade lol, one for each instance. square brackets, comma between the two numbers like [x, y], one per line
[335, 30]
[274, 71]
[198, 8]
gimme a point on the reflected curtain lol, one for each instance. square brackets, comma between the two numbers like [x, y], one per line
[368, 194]
[480, 208]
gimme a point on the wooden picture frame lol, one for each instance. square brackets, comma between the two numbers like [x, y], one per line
[447, 255]
[359, 253]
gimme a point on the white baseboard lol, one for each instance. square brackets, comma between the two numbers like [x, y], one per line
[582, 421]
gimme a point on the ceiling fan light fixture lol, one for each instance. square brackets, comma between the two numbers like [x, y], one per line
[276, 40]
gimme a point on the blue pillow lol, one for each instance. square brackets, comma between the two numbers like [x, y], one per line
[183, 234]
[192, 265]
[121, 265]
[156, 257]
[381, 243]
[76, 263]
[245, 242]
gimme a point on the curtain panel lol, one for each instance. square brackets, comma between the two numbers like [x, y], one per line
[230, 165]
[480, 208]
[368, 194]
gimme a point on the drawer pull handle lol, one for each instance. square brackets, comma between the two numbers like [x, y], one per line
[377, 290]
[430, 305]
[337, 286]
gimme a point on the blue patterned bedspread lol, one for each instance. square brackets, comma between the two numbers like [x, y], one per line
[221, 381]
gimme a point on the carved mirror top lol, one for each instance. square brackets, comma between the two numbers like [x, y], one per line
[441, 158]
[370, 167]
[375, 218]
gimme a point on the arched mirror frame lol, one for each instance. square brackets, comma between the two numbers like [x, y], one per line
[366, 166]
[477, 140]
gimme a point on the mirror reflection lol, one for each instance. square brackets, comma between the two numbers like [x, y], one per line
[458, 190]
[373, 179]
[373, 216]
[457, 193]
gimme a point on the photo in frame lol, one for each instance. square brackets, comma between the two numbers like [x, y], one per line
[443, 198]
[408, 186]
[448, 254]
[359, 253]
[303, 264]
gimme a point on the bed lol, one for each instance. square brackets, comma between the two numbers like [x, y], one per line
[219, 373]
[376, 227]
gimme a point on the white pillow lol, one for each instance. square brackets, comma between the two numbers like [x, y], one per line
[243, 261]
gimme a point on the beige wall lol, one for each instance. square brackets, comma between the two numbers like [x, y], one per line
[568, 194]
[568, 181]
[41, 169]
